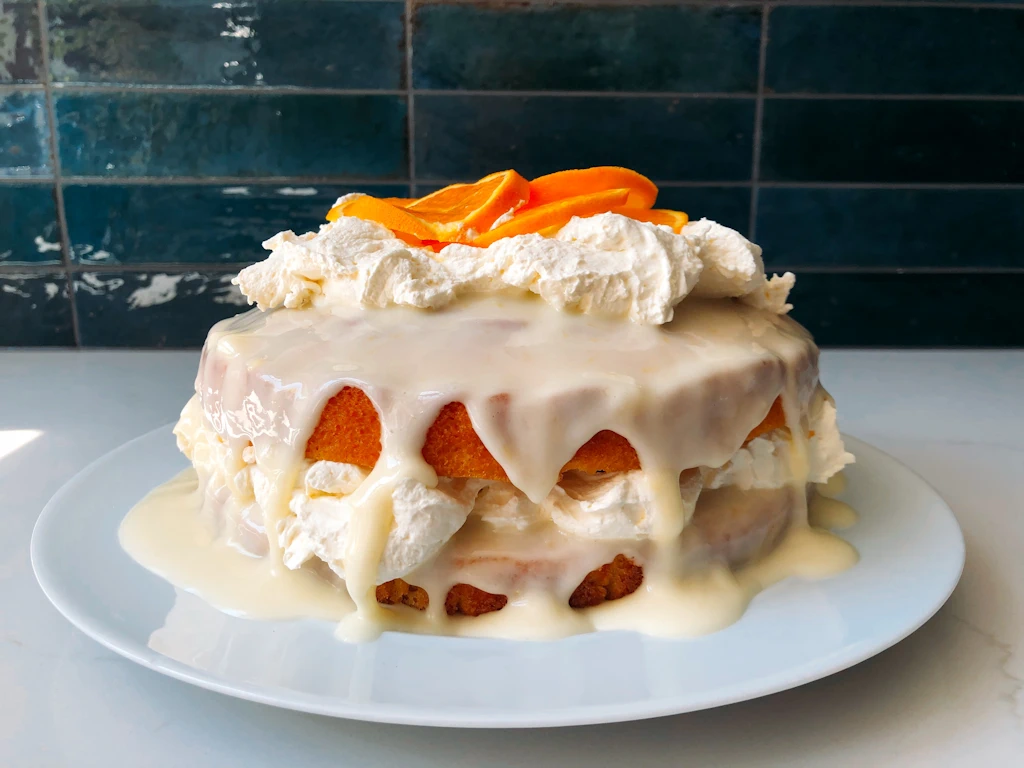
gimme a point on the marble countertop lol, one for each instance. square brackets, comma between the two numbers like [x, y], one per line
[952, 694]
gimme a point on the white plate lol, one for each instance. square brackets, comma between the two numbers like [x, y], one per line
[911, 551]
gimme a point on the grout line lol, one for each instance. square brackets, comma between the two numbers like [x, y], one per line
[271, 181]
[58, 190]
[240, 90]
[796, 96]
[659, 184]
[884, 185]
[410, 100]
[234, 181]
[32, 269]
[230, 268]
[588, 94]
[411, 93]
[756, 3]
[755, 167]
[852, 269]
[20, 180]
[12, 87]
[1013, 4]
[171, 268]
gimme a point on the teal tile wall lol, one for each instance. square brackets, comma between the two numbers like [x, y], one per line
[148, 147]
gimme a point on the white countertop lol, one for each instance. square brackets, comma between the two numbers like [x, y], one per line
[952, 694]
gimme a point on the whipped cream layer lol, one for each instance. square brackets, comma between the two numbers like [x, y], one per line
[607, 265]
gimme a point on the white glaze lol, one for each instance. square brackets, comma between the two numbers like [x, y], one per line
[537, 385]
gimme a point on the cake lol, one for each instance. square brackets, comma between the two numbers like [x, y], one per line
[517, 408]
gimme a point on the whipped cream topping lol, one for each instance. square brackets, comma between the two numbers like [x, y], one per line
[607, 265]
[424, 520]
[613, 506]
[768, 461]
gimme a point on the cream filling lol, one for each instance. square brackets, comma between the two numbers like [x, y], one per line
[614, 506]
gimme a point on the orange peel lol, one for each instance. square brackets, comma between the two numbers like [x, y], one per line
[675, 219]
[554, 214]
[467, 213]
[398, 220]
[458, 208]
[585, 181]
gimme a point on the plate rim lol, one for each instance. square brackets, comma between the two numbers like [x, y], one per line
[287, 698]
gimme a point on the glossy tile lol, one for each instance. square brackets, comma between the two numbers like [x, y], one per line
[140, 224]
[230, 134]
[35, 310]
[891, 227]
[726, 205]
[28, 225]
[590, 48]
[665, 138]
[912, 310]
[20, 55]
[153, 309]
[299, 42]
[843, 49]
[24, 141]
[893, 141]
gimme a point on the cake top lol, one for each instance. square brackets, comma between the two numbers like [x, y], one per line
[586, 241]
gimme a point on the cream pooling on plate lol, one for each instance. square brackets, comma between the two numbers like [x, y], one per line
[607, 265]
[537, 385]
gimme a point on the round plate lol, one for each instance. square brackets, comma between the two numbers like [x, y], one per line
[911, 548]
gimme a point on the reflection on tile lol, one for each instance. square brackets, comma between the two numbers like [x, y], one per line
[665, 138]
[230, 134]
[300, 42]
[24, 149]
[29, 232]
[35, 311]
[595, 48]
[20, 57]
[726, 205]
[891, 227]
[895, 50]
[892, 141]
[913, 310]
[153, 309]
[193, 223]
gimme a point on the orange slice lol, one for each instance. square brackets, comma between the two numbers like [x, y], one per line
[675, 219]
[584, 181]
[398, 220]
[555, 214]
[458, 208]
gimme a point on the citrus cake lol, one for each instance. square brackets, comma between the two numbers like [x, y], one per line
[511, 408]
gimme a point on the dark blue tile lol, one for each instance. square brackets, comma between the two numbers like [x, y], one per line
[193, 224]
[891, 227]
[911, 310]
[24, 149]
[726, 205]
[36, 311]
[590, 48]
[28, 225]
[666, 138]
[153, 309]
[896, 50]
[20, 56]
[230, 134]
[892, 141]
[300, 42]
